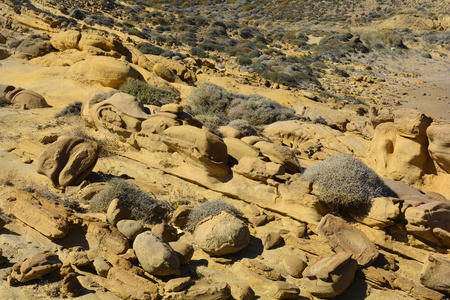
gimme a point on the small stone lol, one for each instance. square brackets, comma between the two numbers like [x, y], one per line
[177, 284]
[261, 269]
[245, 293]
[300, 230]
[78, 257]
[294, 266]
[185, 251]
[101, 266]
[48, 138]
[70, 286]
[222, 260]
[271, 240]
[130, 228]
[167, 231]
[284, 290]
[258, 221]
[27, 160]
[172, 108]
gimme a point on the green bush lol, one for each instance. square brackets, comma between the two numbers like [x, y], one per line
[136, 32]
[146, 48]
[148, 94]
[206, 209]
[143, 206]
[199, 52]
[244, 60]
[73, 109]
[346, 183]
[258, 110]
[210, 99]
[280, 78]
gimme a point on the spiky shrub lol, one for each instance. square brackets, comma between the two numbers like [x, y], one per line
[143, 206]
[346, 183]
[73, 109]
[210, 99]
[243, 127]
[258, 110]
[147, 93]
[210, 208]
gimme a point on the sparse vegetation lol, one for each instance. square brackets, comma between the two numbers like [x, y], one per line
[346, 183]
[146, 93]
[73, 109]
[143, 206]
[209, 208]
[243, 127]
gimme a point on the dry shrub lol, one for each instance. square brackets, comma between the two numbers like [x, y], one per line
[346, 183]
[210, 208]
[143, 206]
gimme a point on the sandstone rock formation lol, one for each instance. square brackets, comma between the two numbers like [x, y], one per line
[68, 161]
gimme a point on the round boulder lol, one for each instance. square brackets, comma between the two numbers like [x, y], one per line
[222, 234]
[155, 254]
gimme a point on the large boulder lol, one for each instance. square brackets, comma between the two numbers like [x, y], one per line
[121, 114]
[343, 237]
[102, 237]
[222, 234]
[330, 275]
[155, 254]
[68, 161]
[279, 154]
[20, 97]
[106, 71]
[35, 267]
[66, 40]
[439, 148]
[208, 144]
[97, 44]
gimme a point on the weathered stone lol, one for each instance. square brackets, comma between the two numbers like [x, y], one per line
[205, 142]
[181, 215]
[172, 108]
[279, 154]
[294, 266]
[155, 254]
[271, 240]
[130, 228]
[68, 161]
[117, 212]
[439, 148]
[66, 40]
[27, 99]
[343, 237]
[35, 267]
[202, 291]
[261, 269]
[128, 285]
[184, 250]
[101, 266]
[44, 219]
[107, 71]
[70, 286]
[330, 275]
[177, 284]
[167, 231]
[255, 168]
[383, 212]
[157, 123]
[221, 234]
[258, 220]
[78, 257]
[238, 149]
[97, 44]
[432, 214]
[245, 293]
[107, 238]
[284, 290]
[416, 290]
[435, 273]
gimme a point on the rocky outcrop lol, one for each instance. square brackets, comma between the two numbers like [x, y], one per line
[68, 161]
[438, 134]
[34, 267]
[435, 273]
